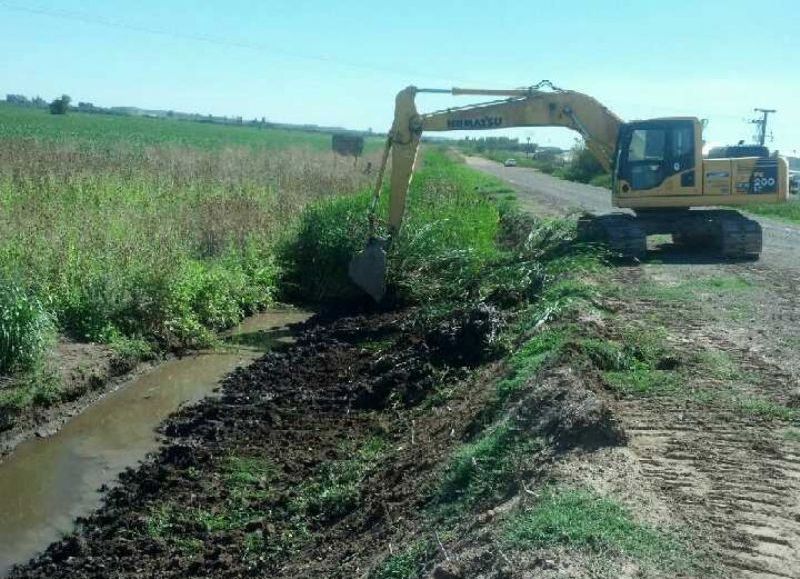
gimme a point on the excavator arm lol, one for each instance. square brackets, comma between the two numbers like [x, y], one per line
[529, 107]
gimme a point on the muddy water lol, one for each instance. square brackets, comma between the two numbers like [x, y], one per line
[46, 483]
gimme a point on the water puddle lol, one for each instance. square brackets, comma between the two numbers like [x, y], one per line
[46, 483]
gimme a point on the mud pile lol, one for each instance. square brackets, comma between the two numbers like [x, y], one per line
[320, 497]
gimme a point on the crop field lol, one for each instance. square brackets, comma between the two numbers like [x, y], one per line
[143, 234]
[101, 130]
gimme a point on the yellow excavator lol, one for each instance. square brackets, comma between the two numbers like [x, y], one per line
[657, 167]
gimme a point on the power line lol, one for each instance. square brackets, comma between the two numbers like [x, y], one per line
[215, 40]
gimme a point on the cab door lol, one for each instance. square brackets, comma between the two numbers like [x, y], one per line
[656, 158]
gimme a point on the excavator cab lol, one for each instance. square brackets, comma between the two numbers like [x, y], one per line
[658, 157]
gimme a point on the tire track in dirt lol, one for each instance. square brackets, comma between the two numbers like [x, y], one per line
[729, 475]
[720, 479]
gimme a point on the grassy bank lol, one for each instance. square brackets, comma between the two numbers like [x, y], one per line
[448, 238]
[465, 246]
[146, 247]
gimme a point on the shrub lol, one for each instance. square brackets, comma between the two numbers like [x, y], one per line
[316, 258]
[26, 329]
[60, 106]
[583, 167]
[448, 237]
[163, 244]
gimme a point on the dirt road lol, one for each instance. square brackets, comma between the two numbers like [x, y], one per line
[732, 470]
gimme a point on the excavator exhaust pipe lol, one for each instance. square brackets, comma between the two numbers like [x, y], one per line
[368, 268]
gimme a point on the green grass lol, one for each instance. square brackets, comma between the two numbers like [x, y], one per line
[247, 499]
[246, 480]
[689, 290]
[248, 492]
[786, 211]
[719, 364]
[642, 380]
[746, 405]
[755, 406]
[486, 469]
[792, 434]
[334, 490]
[586, 521]
[632, 366]
[531, 357]
[601, 181]
[408, 564]
[102, 130]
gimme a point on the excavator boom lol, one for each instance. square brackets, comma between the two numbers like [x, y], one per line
[528, 107]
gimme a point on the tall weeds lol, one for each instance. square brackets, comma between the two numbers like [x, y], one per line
[166, 243]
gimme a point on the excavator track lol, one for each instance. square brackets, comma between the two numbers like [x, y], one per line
[739, 237]
[621, 233]
[727, 232]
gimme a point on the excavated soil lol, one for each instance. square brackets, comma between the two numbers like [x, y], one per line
[339, 385]
[343, 383]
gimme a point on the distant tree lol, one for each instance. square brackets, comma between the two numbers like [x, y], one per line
[583, 165]
[60, 106]
[18, 99]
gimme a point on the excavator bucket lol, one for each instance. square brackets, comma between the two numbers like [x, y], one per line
[368, 269]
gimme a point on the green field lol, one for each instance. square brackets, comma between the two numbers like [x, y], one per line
[102, 130]
[144, 234]
[151, 235]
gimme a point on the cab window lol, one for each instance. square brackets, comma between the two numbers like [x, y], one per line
[682, 148]
[682, 142]
[647, 145]
[646, 158]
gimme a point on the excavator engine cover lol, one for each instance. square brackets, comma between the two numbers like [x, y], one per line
[368, 269]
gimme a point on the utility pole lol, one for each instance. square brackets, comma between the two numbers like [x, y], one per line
[761, 124]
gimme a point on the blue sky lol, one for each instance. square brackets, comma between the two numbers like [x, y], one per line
[340, 63]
